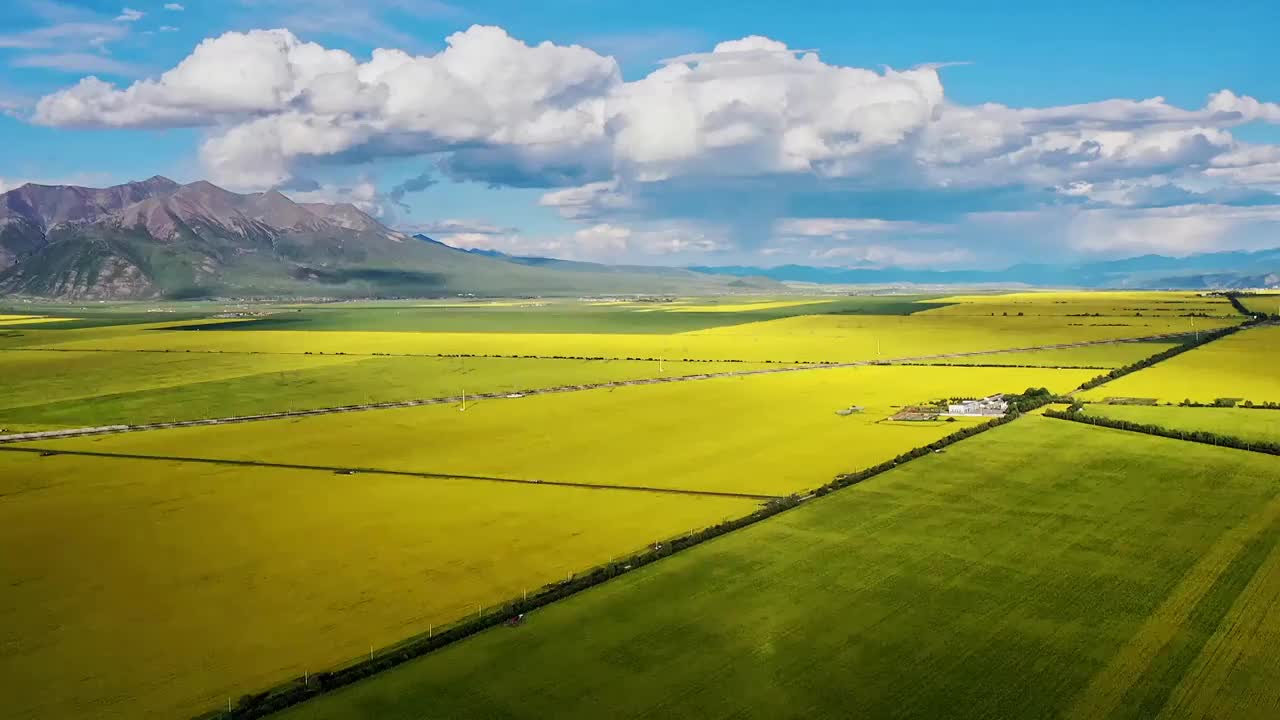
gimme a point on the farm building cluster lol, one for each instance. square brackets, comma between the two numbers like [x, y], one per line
[992, 406]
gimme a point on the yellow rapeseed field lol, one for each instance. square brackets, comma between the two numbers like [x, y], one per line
[766, 434]
[155, 589]
[1105, 303]
[24, 320]
[814, 338]
[1242, 365]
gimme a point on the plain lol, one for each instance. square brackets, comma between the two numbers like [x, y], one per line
[158, 589]
[1041, 570]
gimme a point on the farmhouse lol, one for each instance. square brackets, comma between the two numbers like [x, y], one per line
[988, 406]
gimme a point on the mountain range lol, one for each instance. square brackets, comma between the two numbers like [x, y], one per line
[159, 239]
[1223, 270]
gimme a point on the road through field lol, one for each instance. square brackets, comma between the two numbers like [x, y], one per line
[452, 399]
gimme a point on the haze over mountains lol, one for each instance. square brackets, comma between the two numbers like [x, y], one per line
[159, 239]
[1224, 270]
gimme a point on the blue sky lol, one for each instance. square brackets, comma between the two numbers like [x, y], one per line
[610, 155]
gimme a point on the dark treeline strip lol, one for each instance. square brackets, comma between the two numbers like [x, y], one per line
[301, 689]
[1198, 436]
[45, 452]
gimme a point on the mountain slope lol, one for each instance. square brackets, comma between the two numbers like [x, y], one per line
[160, 239]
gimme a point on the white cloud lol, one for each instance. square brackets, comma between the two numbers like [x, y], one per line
[722, 141]
[76, 63]
[130, 15]
[880, 256]
[364, 195]
[602, 242]
[1177, 231]
[174, 7]
[63, 35]
[168, 28]
[845, 228]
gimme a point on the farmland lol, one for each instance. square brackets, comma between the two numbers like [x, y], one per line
[65, 389]
[1240, 366]
[1246, 424]
[281, 546]
[769, 435]
[264, 573]
[984, 582]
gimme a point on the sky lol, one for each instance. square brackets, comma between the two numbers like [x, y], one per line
[927, 135]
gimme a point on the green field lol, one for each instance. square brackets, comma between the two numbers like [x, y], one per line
[156, 589]
[770, 435]
[83, 389]
[1044, 569]
[1246, 424]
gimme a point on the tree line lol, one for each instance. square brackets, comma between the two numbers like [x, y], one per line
[1200, 436]
[264, 703]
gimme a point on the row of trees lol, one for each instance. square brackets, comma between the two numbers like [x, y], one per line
[271, 701]
[1204, 338]
[1199, 436]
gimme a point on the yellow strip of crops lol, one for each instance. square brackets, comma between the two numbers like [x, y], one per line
[1242, 365]
[1234, 673]
[808, 339]
[156, 589]
[7, 321]
[767, 434]
[1108, 687]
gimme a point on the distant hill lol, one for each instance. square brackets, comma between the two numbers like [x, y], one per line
[1225, 270]
[160, 239]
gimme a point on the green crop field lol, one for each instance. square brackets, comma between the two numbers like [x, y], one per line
[1247, 424]
[1241, 365]
[1044, 569]
[768, 434]
[82, 389]
[143, 588]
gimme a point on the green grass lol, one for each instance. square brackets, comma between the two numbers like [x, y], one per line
[1259, 425]
[539, 316]
[1041, 570]
[76, 389]
[138, 589]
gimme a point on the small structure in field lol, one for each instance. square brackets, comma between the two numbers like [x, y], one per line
[849, 410]
[984, 407]
[916, 414]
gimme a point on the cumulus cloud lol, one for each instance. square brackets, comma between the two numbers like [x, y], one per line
[174, 7]
[754, 138]
[130, 15]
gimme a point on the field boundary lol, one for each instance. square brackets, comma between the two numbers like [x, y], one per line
[1209, 336]
[304, 688]
[383, 471]
[510, 395]
[1203, 437]
[806, 363]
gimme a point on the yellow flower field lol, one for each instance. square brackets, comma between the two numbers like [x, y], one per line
[768, 434]
[1242, 365]
[154, 589]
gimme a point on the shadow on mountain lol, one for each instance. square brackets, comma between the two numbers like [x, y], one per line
[379, 276]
